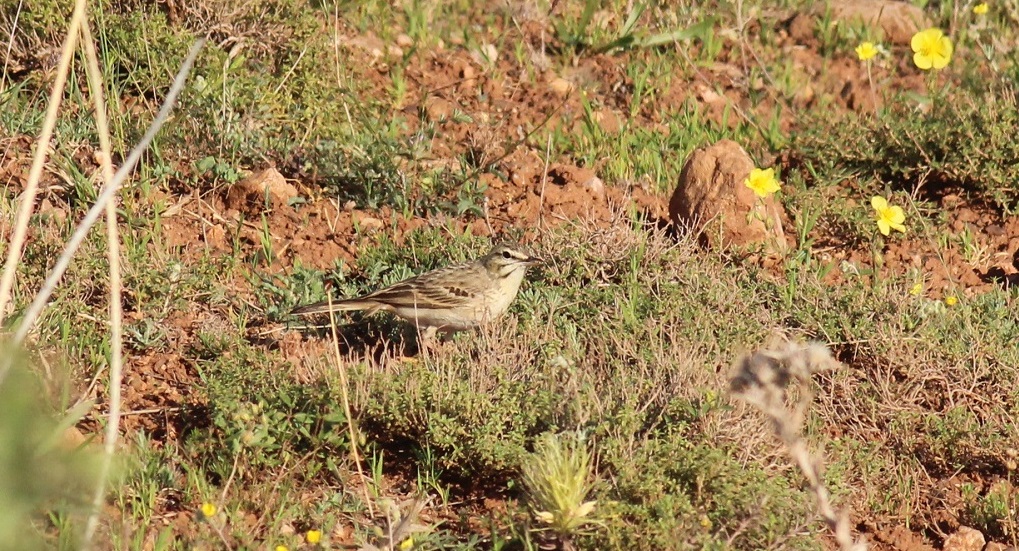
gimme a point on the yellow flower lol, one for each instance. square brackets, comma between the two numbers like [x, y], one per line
[208, 510]
[931, 49]
[281, 548]
[406, 544]
[762, 182]
[980, 8]
[313, 536]
[916, 289]
[866, 50]
[951, 300]
[888, 218]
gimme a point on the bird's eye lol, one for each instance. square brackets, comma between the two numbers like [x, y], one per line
[505, 254]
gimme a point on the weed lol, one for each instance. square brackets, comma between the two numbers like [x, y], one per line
[559, 479]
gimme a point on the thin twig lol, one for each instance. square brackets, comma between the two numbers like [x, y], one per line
[761, 381]
[10, 44]
[38, 160]
[95, 80]
[230, 479]
[341, 367]
[544, 180]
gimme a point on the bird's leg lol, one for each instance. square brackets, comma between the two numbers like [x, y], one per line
[427, 339]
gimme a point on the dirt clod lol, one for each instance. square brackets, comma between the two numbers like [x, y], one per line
[899, 20]
[252, 190]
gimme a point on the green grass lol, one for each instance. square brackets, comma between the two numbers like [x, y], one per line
[627, 336]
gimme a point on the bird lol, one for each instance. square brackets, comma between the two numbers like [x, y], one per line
[450, 299]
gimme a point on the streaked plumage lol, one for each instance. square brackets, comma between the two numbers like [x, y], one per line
[454, 298]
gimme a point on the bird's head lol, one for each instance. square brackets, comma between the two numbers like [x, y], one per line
[504, 260]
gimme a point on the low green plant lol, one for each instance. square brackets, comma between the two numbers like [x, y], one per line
[42, 475]
[559, 479]
[965, 141]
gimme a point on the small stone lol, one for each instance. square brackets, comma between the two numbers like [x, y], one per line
[394, 51]
[255, 186]
[596, 186]
[73, 439]
[47, 209]
[561, 87]
[709, 96]
[437, 109]
[98, 157]
[965, 539]
[366, 222]
[607, 120]
[404, 41]
[216, 237]
[490, 52]
[804, 95]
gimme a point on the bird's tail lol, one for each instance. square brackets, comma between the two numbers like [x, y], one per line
[336, 306]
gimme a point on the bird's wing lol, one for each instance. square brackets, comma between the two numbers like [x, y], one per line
[442, 288]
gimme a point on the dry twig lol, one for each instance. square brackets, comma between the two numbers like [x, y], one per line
[761, 380]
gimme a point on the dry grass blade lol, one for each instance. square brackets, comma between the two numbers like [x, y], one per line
[761, 380]
[95, 80]
[344, 392]
[402, 524]
[17, 241]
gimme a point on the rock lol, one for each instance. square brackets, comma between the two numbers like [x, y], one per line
[72, 438]
[899, 20]
[712, 200]
[995, 546]
[404, 41]
[801, 28]
[965, 539]
[489, 53]
[596, 186]
[48, 210]
[438, 109]
[561, 87]
[607, 120]
[253, 189]
[366, 222]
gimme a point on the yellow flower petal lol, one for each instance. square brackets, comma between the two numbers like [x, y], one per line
[879, 203]
[762, 182]
[406, 544]
[916, 289]
[866, 51]
[951, 301]
[931, 49]
[896, 215]
[883, 226]
[313, 536]
[981, 8]
[208, 510]
[281, 548]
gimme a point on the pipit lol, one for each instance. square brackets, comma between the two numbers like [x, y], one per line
[448, 299]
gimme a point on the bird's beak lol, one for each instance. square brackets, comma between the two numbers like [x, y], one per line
[534, 260]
